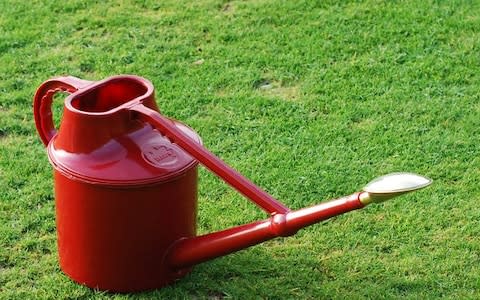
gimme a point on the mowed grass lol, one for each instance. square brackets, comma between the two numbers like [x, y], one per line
[309, 100]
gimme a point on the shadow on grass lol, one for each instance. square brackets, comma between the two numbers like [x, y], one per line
[265, 274]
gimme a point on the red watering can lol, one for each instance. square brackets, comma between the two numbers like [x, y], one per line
[126, 188]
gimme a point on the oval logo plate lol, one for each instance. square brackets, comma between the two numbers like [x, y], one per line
[159, 155]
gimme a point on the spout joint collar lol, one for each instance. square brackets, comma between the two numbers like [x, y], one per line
[279, 226]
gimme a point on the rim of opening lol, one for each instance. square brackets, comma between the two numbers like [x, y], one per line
[137, 100]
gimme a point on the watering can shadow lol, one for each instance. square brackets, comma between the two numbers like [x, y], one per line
[126, 188]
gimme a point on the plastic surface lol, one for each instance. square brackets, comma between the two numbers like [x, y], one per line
[116, 238]
[191, 251]
[42, 103]
[124, 193]
[99, 142]
[209, 160]
[126, 188]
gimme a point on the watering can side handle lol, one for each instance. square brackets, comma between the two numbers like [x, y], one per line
[42, 103]
[209, 160]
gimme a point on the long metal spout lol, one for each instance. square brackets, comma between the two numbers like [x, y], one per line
[190, 251]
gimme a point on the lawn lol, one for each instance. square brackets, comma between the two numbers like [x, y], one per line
[309, 100]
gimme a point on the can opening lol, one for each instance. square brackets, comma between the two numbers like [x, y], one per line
[109, 95]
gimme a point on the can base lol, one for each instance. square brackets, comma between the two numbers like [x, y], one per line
[154, 284]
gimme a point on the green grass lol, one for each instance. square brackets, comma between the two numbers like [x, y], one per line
[356, 89]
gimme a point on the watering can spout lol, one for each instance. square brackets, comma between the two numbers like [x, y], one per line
[190, 251]
[187, 252]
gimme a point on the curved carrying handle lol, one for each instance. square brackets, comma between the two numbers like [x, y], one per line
[42, 103]
[209, 160]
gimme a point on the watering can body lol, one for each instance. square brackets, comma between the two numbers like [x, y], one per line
[115, 239]
[124, 193]
[126, 188]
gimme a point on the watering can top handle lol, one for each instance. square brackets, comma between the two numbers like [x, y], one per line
[42, 102]
[209, 160]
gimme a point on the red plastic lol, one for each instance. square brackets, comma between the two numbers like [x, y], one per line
[123, 192]
[191, 251]
[216, 165]
[126, 188]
